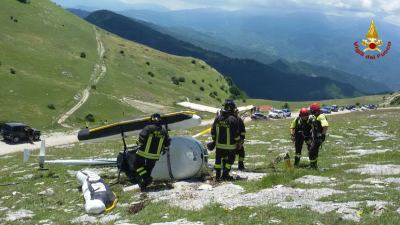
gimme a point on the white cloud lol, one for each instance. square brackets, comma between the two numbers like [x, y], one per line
[388, 9]
[393, 19]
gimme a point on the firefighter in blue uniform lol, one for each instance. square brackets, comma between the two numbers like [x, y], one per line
[225, 133]
[153, 140]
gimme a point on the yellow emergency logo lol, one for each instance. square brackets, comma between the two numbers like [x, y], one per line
[372, 44]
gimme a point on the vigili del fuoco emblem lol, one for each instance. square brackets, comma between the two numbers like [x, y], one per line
[372, 44]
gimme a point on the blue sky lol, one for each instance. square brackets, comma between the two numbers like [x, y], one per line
[388, 10]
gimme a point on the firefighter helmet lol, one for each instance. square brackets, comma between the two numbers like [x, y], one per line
[156, 118]
[304, 112]
[229, 106]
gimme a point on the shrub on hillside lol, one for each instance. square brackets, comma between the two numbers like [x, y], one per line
[395, 101]
[51, 106]
[202, 80]
[198, 99]
[182, 79]
[89, 117]
[210, 85]
[122, 52]
[286, 106]
[203, 67]
[202, 89]
[150, 74]
[193, 81]
[193, 61]
[12, 71]
[235, 92]
[175, 80]
[83, 55]
[148, 63]
[94, 87]
[25, 1]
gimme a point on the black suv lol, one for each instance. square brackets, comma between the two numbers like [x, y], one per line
[16, 132]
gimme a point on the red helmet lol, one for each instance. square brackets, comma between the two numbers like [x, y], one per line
[315, 107]
[304, 112]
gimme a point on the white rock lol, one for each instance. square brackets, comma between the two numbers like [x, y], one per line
[19, 215]
[109, 218]
[124, 222]
[372, 169]
[180, 222]
[249, 175]
[48, 192]
[26, 177]
[205, 187]
[310, 179]
[275, 220]
[256, 142]
[363, 186]
[131, 188]
[253, 215]
[395, 180]
[84, 219]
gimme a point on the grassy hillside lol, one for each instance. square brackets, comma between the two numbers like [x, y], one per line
[42, 43]
[53, 194]
[41, 64]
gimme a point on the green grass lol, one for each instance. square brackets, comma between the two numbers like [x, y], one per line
[44, 49]
[353, 127]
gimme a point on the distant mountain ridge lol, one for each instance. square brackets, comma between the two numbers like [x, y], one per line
[256, 79]
[79, 12]
[214, 44]
[309, 36]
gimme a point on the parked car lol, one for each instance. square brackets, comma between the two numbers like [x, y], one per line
[334, 108]
[276, 114]
[286, 112]
[326, 110]
[259, 116]
[16, 132]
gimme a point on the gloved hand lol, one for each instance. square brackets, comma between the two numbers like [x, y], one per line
[292, 137]
[165, 150]
[323, 136]
[211, 146]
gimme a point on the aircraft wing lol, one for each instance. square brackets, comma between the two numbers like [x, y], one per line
[204, 108]
[177, 120]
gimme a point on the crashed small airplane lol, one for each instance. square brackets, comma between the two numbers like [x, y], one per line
[187, 158]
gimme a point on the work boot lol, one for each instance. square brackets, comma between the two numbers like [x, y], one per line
[296, 161]
[145, 182]
[241, 166]
[148, 180]
[226, 176]
[313, 165]
[217, 175]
